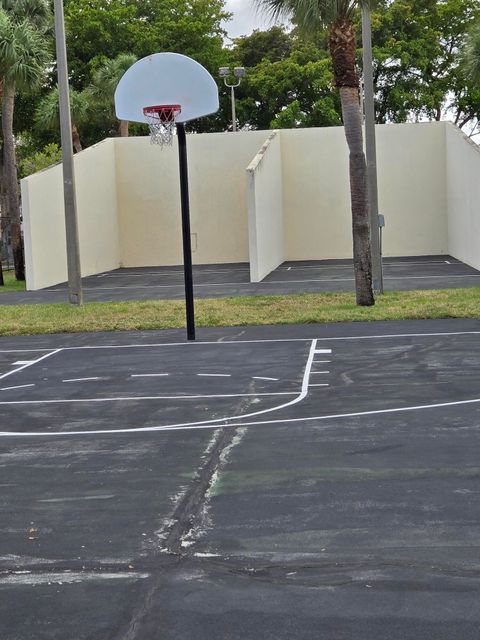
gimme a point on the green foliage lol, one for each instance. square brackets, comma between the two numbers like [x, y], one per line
[49, 155]
[107, 28]
[293, 90]
[24, 52]
[470, 56]
[416, 45]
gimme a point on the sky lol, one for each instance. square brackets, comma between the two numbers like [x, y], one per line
[245, 19]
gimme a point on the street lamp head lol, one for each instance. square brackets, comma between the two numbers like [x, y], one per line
[239, 72]
[223, 72]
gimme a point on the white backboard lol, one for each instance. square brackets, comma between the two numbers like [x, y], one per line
[166, 78]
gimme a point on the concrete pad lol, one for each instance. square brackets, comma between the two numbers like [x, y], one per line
[223, 280]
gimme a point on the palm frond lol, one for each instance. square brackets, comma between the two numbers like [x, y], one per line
[311, 15]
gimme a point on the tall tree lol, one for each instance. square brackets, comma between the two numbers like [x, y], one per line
[24, 55]
[416, 52]
[47, 114]
[470, 57]
[105, 81]
[337, 16]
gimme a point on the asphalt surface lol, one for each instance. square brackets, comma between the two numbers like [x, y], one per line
[216, 281]
[270, 482]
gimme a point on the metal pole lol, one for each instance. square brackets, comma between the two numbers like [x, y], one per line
[234, 115]
[75, 295]
[370, 147]
[187, 248]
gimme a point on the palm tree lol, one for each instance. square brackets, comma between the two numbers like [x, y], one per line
[24, 57]
[470, 56]
[336, 16]
[105, 81]
[47, 114]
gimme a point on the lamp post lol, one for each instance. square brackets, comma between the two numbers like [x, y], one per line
[71, 225]
[239, 73]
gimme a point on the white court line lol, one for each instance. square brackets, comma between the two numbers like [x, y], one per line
[148, 375]
[29, 364]
[22, 350]
[19, 362]
[210, 425]
[20, 386]
[264, 378]
[135, 398]
[405, 335]
[199, 343]
[215, 375]
[82, 379]
[303, 393]
[323, 351]
[320, 372]
[319, 385]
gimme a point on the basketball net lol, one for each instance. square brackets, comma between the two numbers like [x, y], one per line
[161, 122]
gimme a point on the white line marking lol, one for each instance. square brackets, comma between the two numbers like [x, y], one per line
[135, 398]
[447, 262]
[187, 426]
[322, 361]
[82, 379]
[20, 386]
[303, 393]
[323, 351]
[288, 268]
[25, 366]
[215, 375]
[186, 344]
[264, 378]
[320, 372]
[148, 375]
[404, 335]
[22, 350]
[23, 362]
[319, 385]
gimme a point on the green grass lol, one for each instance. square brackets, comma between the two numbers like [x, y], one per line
[11, 284]
[293, 309]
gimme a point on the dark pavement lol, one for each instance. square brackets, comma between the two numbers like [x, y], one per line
[266, 482]
[216, 281]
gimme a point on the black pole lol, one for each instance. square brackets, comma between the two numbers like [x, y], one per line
[187, 247]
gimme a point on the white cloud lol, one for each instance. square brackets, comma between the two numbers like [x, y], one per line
[246, 18]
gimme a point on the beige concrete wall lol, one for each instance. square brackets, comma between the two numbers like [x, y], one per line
[463, 196]
[265, 209]
[411, 181]
[149, 199]
[44, 224]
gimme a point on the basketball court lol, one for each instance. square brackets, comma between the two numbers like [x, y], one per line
[223, 280]
[259, 482]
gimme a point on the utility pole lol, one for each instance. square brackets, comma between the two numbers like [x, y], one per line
[370, 148]
[75, 295]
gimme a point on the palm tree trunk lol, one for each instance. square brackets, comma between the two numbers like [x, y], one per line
[77, 145]
[123, 128]
[10, 181]
[342, 47]
[362, 261]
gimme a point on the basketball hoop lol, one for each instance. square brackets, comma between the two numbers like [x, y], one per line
[161, 122]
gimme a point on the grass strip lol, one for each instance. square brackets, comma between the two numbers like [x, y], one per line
[10, 283]
[252, 310]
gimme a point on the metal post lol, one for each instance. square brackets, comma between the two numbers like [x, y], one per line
[377, 272]
[75, 295]
[187, 248]
[234, 114]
